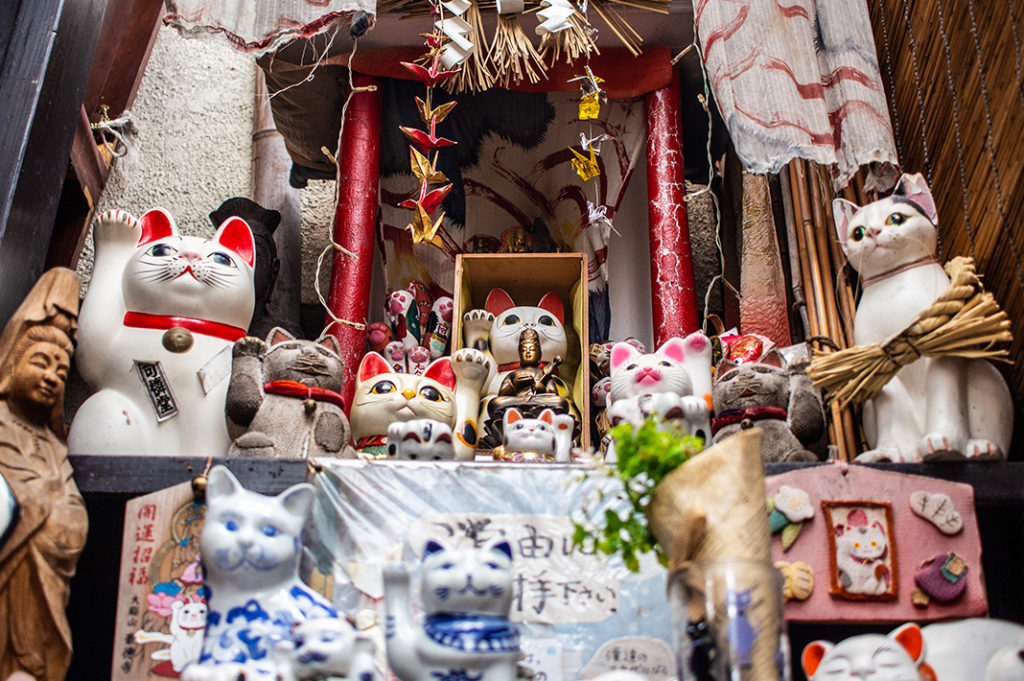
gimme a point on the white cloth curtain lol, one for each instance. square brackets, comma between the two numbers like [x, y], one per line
[259, 25]
[799, 79]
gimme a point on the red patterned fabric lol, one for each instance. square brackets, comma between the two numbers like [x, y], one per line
[261, 25]
[798, 79]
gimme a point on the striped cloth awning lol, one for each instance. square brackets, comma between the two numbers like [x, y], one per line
[799, 79]
[259, 25]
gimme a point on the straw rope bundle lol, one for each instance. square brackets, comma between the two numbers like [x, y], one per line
[965, 321]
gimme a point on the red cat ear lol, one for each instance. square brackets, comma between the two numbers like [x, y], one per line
[156, 224]
[842, 212]
[910, 638]
[440, 370]
[278, 335]
[372, 365]
[236, 236]
[498, 301]
[812, 656]
[548, 417]
[674, 349]
[622, 353]
[512, 415]
[553, 304]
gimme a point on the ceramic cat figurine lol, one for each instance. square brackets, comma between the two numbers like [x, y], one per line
[781, 402]
[157, 325]
[976, 649]
[896, 657]
[498, 326]
[531, 439]
[284, 398]
[934, 408]
[674, 382]
[420, 440]
[250, 553]
[383, 397]
[319, 649]
[466, 634]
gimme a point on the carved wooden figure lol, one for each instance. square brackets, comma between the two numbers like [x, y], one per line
[38, 559]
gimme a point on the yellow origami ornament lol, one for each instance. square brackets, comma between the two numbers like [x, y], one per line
[590, 102]
[590, 106]
[585, 166]
[424, 229]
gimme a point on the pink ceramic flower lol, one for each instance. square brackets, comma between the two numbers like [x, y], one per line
[161, 603]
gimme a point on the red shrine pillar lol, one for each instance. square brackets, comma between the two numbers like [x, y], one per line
[355, 222]
[674, 305]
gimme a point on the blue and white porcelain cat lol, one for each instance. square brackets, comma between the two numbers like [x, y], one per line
[466, 634]
[157, 324]
[934, 408]
[250, 555]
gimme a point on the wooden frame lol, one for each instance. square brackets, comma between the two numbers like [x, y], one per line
[874, 575]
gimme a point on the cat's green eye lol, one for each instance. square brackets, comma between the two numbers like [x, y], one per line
[383, 388]
[896, 219]
[221, 259]
[858, 233]
[161, 250]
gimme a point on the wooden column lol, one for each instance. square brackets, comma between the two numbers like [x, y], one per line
[355, 220]
[674, 307]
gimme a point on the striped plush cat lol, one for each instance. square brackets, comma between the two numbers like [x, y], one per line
[934, 408]
[155, 335]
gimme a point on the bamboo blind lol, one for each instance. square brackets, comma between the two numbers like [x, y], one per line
[953, 76]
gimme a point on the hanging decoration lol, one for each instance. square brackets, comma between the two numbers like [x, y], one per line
[447, 47]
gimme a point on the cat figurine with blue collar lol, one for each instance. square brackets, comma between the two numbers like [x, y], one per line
[258, 607]
[466, 634]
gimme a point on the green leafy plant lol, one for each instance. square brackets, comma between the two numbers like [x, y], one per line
[645, 456]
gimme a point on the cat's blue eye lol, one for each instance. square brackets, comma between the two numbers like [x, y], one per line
[509, 320]
[447, 566]
[383, 388]
[231, 526]
[858, 233]
[896, 219]
[221, 259]
[545, 320]
[161, 250]
[493, 566]
[431, 393]
[270, 531]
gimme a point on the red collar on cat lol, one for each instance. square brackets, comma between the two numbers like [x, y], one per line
[927, 260]
[143, 320]
[731, 416]
[306, 392]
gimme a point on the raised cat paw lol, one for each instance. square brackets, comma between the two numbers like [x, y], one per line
[471, 368]
[938, 447]
[984, 450]
[249, 346]
[476, 328]
[116, 226]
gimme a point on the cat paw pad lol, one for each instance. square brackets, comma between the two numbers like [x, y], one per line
[116, 225]
[471, 367]
[878, 455]
[476, 327]
[249, 346]
[938, 447]
[984, 450]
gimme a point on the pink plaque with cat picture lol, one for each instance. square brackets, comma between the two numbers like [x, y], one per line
[880, 546]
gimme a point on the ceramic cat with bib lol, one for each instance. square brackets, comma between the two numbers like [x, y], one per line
[942, 408]
[263, 622]
[466, 634]
[155, 335]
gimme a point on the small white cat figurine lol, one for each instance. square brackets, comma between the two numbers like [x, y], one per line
[673, 382]
[420, 440]
[545, 438]
[934, 408]
[466, 634]
[257, 604]
[155, 335]
[896, 657]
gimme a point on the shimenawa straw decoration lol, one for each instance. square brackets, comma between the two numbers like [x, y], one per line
[965, 321]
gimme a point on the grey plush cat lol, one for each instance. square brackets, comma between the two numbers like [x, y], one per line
[284, 400]
[782, 402]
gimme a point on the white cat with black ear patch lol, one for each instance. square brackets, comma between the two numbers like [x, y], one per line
[934, 408]
[155, 335]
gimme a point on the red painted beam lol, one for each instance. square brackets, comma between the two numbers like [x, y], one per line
[674, 306]
[355, 221]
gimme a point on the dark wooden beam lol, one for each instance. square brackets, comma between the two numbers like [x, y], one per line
[128, 33]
